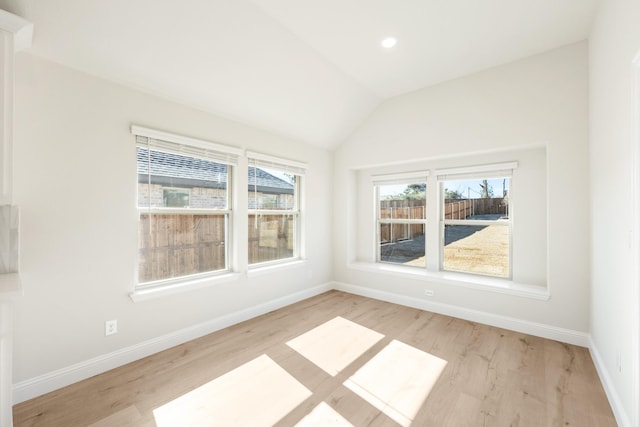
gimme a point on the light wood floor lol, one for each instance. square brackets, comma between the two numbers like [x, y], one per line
[492, 377]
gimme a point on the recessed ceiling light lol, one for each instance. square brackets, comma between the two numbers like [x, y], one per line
[389, 42]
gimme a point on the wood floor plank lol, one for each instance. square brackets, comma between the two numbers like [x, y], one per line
[492, 377]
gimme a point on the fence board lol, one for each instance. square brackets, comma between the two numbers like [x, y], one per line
[271, 237]
[416, 208]
[173, 245]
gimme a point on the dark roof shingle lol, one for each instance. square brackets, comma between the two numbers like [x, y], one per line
[176, 169]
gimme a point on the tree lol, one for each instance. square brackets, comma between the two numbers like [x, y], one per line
[452, 194]
[415, 191]
[486, 191]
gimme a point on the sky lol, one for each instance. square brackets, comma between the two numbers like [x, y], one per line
[467, 188]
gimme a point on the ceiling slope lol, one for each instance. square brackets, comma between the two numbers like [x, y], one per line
[308, 69]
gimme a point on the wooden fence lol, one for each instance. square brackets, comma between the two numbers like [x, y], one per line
[464, 208]
[401, 209]
[271, 237]
[416, 209]
[173, 245]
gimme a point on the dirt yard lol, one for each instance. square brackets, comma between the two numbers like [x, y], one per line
[486, 251]
[471, 249]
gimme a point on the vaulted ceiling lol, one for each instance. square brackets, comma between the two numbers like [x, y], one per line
[312, 70]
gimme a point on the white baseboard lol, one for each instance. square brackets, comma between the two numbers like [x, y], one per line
[622, 418]
[532, 328]
[40, 385]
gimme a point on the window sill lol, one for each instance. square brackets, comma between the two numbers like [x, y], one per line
[260, 269]
[490, 284]
[159, 291]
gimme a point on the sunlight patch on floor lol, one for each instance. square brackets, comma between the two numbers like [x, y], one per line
[334, 345]
[397, 380]
[323, 415]
[259, 392]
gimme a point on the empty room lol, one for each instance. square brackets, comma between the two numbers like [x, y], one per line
[320, 213]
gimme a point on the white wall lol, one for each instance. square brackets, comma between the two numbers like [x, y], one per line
[614, 42]
[539, 100]
[75, 181]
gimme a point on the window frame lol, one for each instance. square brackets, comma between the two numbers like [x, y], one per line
[475, 172]
[398, 179]
[434, 201]
[196, 148]
[443, 222]
[298, 169]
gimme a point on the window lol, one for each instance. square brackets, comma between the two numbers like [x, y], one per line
[401, 218]
[184, 207]
[176, 197]
[274, 206]
[467, 210]
[475, 220]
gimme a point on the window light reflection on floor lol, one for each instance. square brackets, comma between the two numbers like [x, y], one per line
[335, 344]
[397, 380]
[323, 415]
[261, 386]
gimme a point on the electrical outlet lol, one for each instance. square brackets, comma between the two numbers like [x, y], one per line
[428, 292]
[110, 327]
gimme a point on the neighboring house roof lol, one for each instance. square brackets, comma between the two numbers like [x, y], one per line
[176, 170]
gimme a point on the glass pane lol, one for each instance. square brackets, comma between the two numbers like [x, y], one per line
[175, 180]
[271, 237]
[403, 201]
[476, 199]
[402, 244]
[477, 249]
[271, 189]
[172, 245]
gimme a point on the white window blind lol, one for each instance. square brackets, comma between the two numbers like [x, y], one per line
[178, 144]
[400, 178]
[285, 165]
[496, 170]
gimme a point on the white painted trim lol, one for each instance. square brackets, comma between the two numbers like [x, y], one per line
[470, 281]
[186, 140]
[524, 326]
[268, 160]
[400, 178]
[20, 28]
[275, 266]
[635, 241]
[177, 286]
[622, 418]
[46, 383]
[476, 169]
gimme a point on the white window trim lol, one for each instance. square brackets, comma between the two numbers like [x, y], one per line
[173, 287]
[399, 178]
[181, 283]
[470, 281]
[184, 140]
[298, 169]
[498, 170]
[268, 161]
[391, 179]
[464, 172]
[436, 261]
